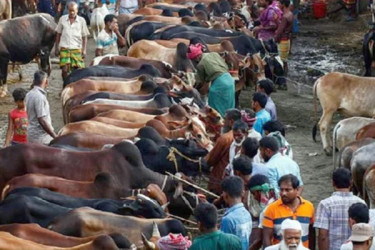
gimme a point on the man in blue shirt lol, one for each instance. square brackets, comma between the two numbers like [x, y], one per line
[278, 164]
[259, 102]
[237, 219]
[266, 86]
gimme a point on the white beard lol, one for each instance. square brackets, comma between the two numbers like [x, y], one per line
[284, 246]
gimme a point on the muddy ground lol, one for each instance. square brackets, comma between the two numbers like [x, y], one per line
[321, 46]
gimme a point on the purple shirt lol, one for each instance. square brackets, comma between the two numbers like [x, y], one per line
[269, 16]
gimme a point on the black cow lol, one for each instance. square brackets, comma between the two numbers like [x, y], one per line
[368, 47]
[111, 71]
[162, 158]
[143, 30]
[168, 33]
[166, 7]
[190, 35]
[142, 206]
[24, 38]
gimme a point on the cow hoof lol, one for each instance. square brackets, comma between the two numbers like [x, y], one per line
[328, 151]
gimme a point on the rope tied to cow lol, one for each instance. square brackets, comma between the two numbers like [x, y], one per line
[172, 157]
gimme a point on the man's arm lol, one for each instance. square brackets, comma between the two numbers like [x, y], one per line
[57, 44]
[323, 239]
[267, 236]
[98, 52]
[46, 127]
[312, 237]
[84, 45]
[280, 29]
[117, 5]
[120, 38]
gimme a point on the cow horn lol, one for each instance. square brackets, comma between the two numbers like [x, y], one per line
[148, 244]
[155, 230]
[165, 206]
[179, 190]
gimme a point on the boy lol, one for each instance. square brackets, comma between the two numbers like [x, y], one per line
[17, 120]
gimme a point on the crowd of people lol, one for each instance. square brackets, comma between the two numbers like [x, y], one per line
[253, 170]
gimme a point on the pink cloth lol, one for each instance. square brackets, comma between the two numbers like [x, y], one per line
[246, 118]
[174, 241]
[195, 50]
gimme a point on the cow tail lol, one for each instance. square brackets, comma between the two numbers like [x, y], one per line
[314, 130]
[5, 191]
[334, 144]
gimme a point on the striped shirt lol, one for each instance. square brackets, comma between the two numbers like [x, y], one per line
[277, 212]
[332, 215]
[108, 43]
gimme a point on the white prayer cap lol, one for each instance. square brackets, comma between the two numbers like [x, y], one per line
[291, 224]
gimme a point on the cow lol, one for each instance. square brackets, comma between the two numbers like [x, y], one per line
[9, 241]
[141, 30]
[183, 157]
[97, 20]
[28, 45]
[130, 86]
[348, 94]
[160, 100]
[35, 233]
[126, 115]
[366, 131]
[117, 122]
[346, 152]
[112, 71]
[94, 127]
[6, 9]
[141, 206]
[88, 111]
[165, 69]
[368, 46]
[368, 186]
[123, 161]
[152, 50]
[79, 223]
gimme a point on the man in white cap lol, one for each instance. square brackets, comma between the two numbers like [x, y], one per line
[362, 234]
[291, 231]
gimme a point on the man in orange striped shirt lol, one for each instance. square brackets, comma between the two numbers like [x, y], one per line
[289, 206]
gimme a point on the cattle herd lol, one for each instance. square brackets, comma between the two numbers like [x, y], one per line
[133, 122]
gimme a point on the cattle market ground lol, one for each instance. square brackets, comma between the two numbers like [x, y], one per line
[321, 46]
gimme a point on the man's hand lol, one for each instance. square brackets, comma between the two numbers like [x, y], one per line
[83, 54]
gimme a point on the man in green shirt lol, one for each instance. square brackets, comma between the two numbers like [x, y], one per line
[211, 237]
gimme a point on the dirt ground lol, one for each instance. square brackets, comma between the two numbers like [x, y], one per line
[321, 46]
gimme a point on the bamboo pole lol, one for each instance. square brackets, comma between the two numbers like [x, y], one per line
[193, 185]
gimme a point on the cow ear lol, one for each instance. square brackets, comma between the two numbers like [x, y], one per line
[176, 124]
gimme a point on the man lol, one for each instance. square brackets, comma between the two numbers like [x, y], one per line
[290, 205]
[278, 165]
[240, 130]
[362, 236]
[269, 19]
[237, 219]
[332, 213]
[258, 104]
[127, 6]
[248, 116]
[250, 148]
[242, 168]
[47, 6]
[257, 196]
[358, 213]
[71, 40]
[218, 157]
[291, 231]
[266, 86]
[211, 67]
[283, 33]
[40, 128]
[211, 238]
[276, 129]
[106, 42]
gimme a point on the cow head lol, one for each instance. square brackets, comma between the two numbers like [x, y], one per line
[143, 206]
[195, 130]
[45, 63]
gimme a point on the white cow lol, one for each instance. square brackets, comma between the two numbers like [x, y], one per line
[347, 94]
[97, 20]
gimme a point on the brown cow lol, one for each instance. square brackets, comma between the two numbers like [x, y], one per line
[347, 94]
[125, 115]
[369, 186]
[9, 241]
[38, 234]
[346, 152]
[94, 127]
[135, 63]
[152, 50]
[367, 131]
[85, 140]
[123, 162]
[117, 123]
[79, 222]
[88, 111]
[129, 86]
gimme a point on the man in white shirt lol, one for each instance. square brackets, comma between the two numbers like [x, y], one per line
[71, 40]
[106, 42]
[126, 6]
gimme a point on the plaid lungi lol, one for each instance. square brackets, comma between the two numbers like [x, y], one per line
[284, 47]
[72, 58]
